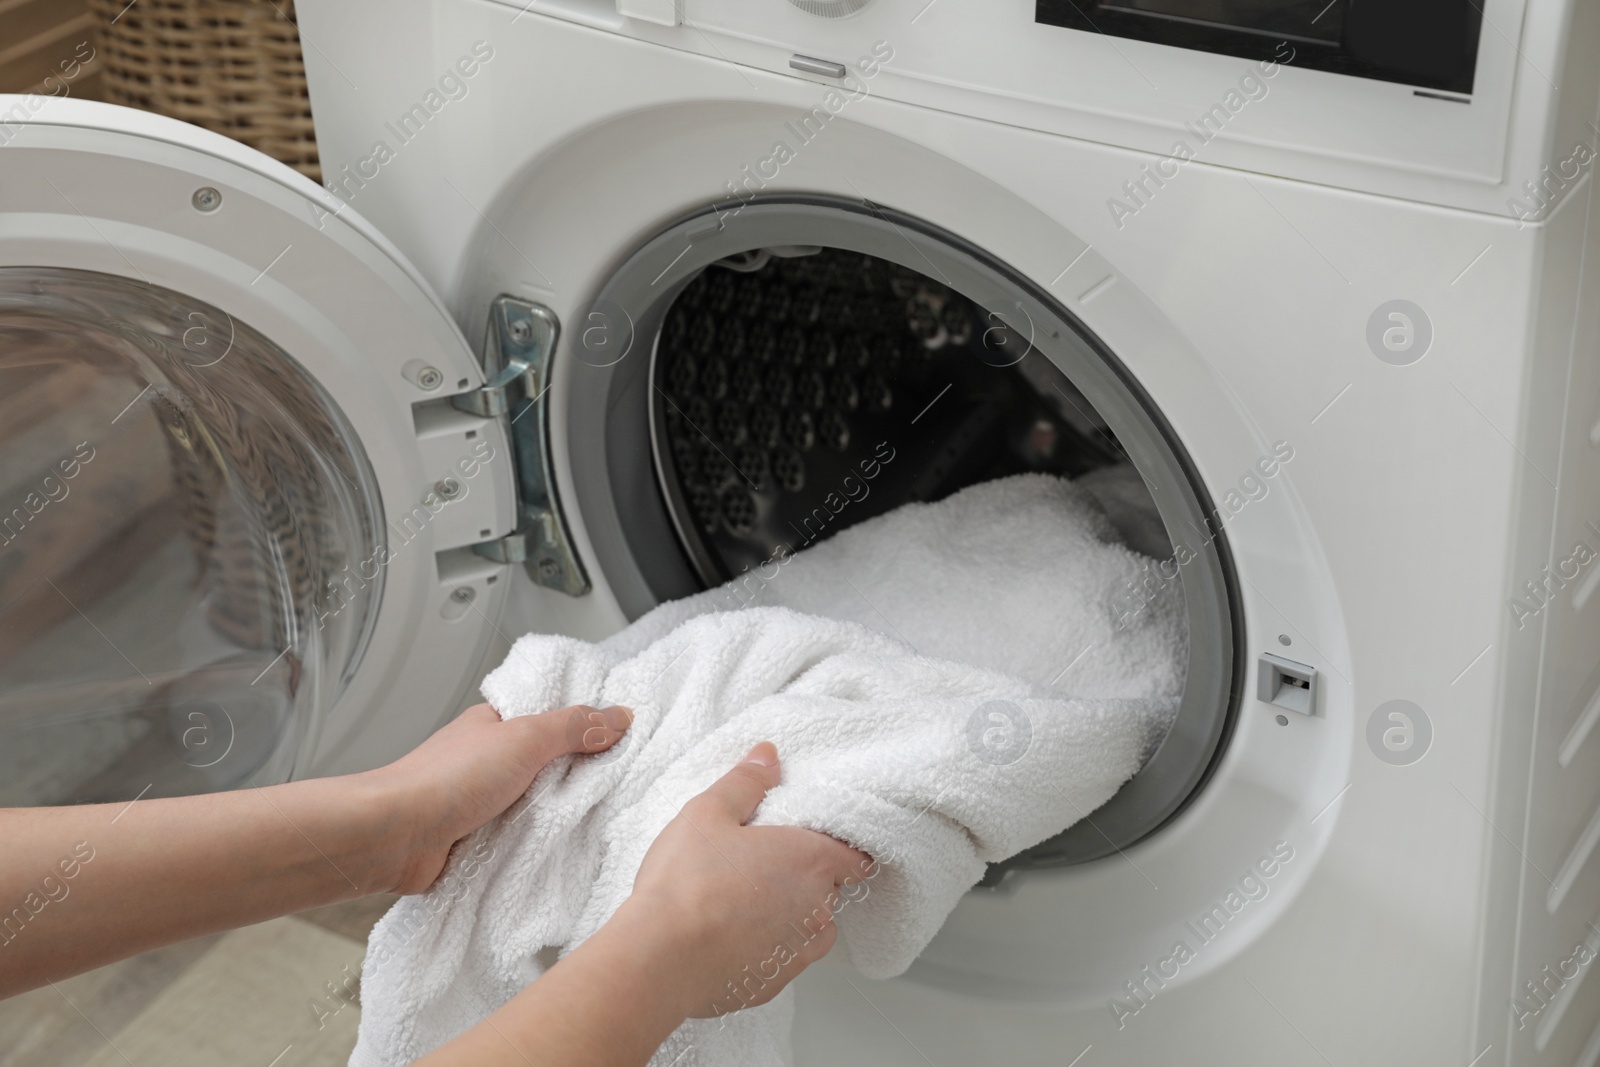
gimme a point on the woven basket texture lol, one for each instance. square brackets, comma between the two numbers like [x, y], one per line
[233, 66]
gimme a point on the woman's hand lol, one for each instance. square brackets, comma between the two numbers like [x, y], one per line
[754, 904]
[722, 917]
[148, 872]
[473, 769]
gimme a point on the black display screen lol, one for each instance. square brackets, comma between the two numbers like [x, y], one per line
[1294, 20]
[1428, 43]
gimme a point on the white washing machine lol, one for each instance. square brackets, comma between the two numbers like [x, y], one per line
[1319, 272]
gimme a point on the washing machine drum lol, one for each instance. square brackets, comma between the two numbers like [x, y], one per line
[776, 377]
[774, 352]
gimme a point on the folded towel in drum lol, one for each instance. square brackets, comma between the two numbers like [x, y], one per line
[896, 742]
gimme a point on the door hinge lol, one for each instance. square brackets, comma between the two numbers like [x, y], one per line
[518, 346]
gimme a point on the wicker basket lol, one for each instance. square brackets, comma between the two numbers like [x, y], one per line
[233, 66]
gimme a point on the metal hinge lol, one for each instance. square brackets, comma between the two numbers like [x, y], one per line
[518, 346]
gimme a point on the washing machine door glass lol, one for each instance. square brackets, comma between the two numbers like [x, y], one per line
[226, 406]
[180, 498]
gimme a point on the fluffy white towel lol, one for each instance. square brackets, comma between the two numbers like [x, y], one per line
[934, 763]
[1025, 575]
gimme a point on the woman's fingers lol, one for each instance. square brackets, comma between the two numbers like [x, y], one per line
[564, 731]
[829, 860]
[739, 890]
[847, 864]
[738, 793]
[828, 857]
[589, 729]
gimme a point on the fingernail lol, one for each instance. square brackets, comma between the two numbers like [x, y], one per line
[619, 717]
[765, 754]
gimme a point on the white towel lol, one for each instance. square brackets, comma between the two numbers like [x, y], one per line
[934, 763]
[1025, 575]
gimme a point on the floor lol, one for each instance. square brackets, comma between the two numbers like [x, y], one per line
[281, 994]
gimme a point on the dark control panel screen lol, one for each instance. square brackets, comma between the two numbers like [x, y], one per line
[1431, 44]
[1295, 20]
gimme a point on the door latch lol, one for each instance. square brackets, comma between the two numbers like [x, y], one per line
[518, 346]
[1287, 684]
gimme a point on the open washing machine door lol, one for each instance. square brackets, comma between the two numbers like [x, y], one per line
[256, 496]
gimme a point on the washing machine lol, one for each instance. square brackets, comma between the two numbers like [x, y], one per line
[603, 302]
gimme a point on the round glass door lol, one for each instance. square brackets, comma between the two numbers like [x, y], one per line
[189, 535]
